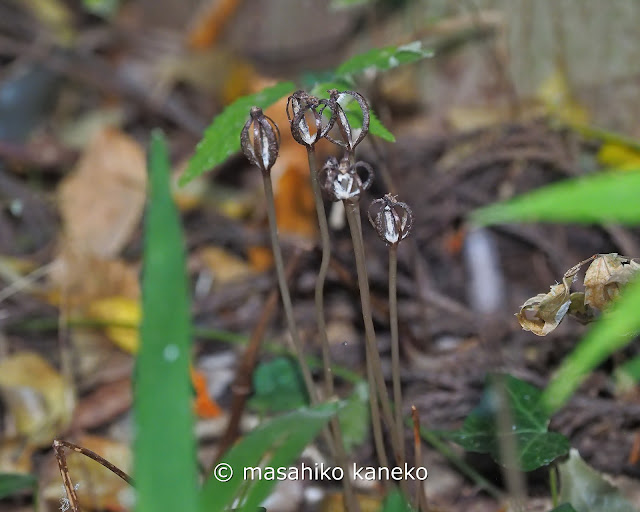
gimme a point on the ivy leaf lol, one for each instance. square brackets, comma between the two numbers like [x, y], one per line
[278, 386]
[382, 59]
[587, 490]
[601, 198]
[222, 138]
[536, 446]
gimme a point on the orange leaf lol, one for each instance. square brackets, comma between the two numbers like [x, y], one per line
[204, 406]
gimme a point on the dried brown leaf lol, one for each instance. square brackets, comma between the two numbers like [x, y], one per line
[604, 278]
[101, 202]
[544, 312]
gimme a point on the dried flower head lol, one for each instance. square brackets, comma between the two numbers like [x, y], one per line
[339, 117]
[392, 219]
[300, 107]
[260, 140]
[344, 182]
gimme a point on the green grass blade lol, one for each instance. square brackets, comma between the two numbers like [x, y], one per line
[11, 483]
[612, 332]
[275, 444]
[165, 463]
[600, 198]
[222, 138]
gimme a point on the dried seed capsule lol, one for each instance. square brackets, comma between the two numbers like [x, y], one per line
[339, 117]
[300, 105]
[260, 140]
[391, 219]
[343, 182]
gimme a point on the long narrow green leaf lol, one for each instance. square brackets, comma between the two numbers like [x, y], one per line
[11, 483]
[222, 138]
[274, 445]
[601, 198]
[613, 331]
[165, 463]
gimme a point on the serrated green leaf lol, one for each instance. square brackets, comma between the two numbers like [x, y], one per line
[222, 138]
[587, 490]
[276, 444]
[614, 330]
[535, 445]
[383, 59]
[565, 507]
[601, 198]
[354, 418]
[164, 447]
[11, 483]
[395, 502]
[278, 386]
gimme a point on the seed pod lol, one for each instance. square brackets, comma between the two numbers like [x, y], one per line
[301, 104]
[339, 117]
[260, 140]
[392, 219]
[343, 182]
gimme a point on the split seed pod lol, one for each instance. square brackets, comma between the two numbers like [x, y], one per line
[339, 116]
[392, 219]
[300, 105]
[343, 182]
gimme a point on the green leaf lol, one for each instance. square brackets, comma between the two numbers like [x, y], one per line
[11, 483]
[222, 138]
[164, 448]
[536, 446]
[354, 417]
[565, 507]
[336, 5]
[600, 198]
[276, 444]
[382, 59]
[278, 386]
[587, 490]
[614, 330]
[395, 502]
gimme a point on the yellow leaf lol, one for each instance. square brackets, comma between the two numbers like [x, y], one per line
[619, 156]
[224, 266]
[124, 314]
[39, 400]
[556, 95]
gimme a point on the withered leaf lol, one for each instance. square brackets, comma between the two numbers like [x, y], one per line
[582, 312]
[544, 312]
[604, 278]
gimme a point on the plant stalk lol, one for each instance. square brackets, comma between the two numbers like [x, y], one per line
[284, 289]
[395, 348]
[353, 218]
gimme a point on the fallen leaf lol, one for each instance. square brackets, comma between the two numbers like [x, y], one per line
[295, 207]
[124, 315]
[102, 200]
[542, 314]
[604, 278]
[619, 156]
[204, 406]
[224, 266]
[39, 400]
[556, 95]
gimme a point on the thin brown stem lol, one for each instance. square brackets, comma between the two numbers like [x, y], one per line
[351, 501]
[284, 289]
[395, 347]
[322, 272]
[353, 218]
[421, 495]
